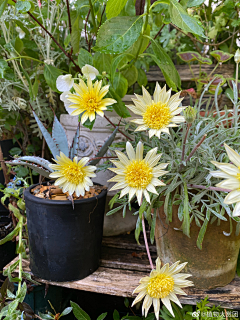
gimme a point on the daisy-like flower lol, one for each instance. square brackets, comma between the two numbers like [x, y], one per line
[64, 83]
[137, 175]
[231, 174]
[89, 71]
[73, 176]
[159, 114]
[163, 283]
[88, 99]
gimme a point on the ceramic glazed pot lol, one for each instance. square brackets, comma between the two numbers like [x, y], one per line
[214, 265]
[64, 243]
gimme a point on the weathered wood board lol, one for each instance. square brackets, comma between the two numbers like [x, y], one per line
[227, 70]
[124, 263]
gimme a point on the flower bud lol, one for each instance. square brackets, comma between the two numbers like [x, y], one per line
[237, 56]
[190, 114]
[104, 73]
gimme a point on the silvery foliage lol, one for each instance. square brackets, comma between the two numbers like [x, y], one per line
[202, 205]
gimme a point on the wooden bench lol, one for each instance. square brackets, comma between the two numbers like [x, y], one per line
[124, 263]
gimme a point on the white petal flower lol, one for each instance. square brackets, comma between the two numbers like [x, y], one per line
[89, 71]
[162, 284]
[231, 174]
[67, 103]
[21, 33]
[137, 175]
[158, 114]
[64, 83]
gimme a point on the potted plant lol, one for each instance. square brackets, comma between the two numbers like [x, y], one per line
[188, 215]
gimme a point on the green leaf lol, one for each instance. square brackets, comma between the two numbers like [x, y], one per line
[142, 78]
[194, 3]
[29, 82]
[141, 41]
[182, 20]
[118, 34]
[114, 7]
[109, 213]
[15, 151]
[13, 306]
[131, 74]
[66, 311]
[21, 295]
[221, 56]
[23, 6]
[3, 67]
[89, 124]
[102, 62]
[15, 211]
[202, 232]
[21, 171]
[11, 235]
[50, 74]
[75, 36]
[35, 87]
[78, 312]
[119, 107]
[102, 316]
[189, 56]
[45, 316]
[120, 84]
[117, 60]
[18, 45]
[186, 215]
[84, 57]
[3, 6]
[166, 65]
[116, 315]
[138, 229]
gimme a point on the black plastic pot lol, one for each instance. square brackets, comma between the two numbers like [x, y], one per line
[65, 243]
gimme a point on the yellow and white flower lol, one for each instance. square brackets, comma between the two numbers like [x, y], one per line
[231, 174]
[159, 114]
[64, 83]
[89, 71]
[163, 283]
[137, 175]
[73, 176]
[88, 100]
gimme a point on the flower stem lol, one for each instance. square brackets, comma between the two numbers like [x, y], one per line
[24, 57]
[196, 186]
[193, 151]
[194, 78]
[214, 69]
[118, 129]
[185, 139]
[146, 242]
[20, 254]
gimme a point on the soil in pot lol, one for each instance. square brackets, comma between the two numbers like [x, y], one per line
[64, 243]
[214, 265]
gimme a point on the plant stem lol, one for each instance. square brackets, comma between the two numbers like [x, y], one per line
[52, 37]
[194, 78]
[118, 129]
[93, 17]
[4, 167]
[196, 186]
[146, 242]
[185, 139]
[69, 17]
[214, 69]
[196, 147]
[193, 151]
[24, 57]
[20, 254]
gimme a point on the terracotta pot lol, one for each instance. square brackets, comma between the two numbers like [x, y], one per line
[214, 265]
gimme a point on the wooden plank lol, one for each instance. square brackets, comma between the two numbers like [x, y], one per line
[227, 70]
[121, 283]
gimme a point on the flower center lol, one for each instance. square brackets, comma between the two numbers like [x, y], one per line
[138, 174]
[160, 286]
[73, 173]
[157, 116]
[91, 104]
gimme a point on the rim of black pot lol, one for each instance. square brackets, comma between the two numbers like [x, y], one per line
[60, 202]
